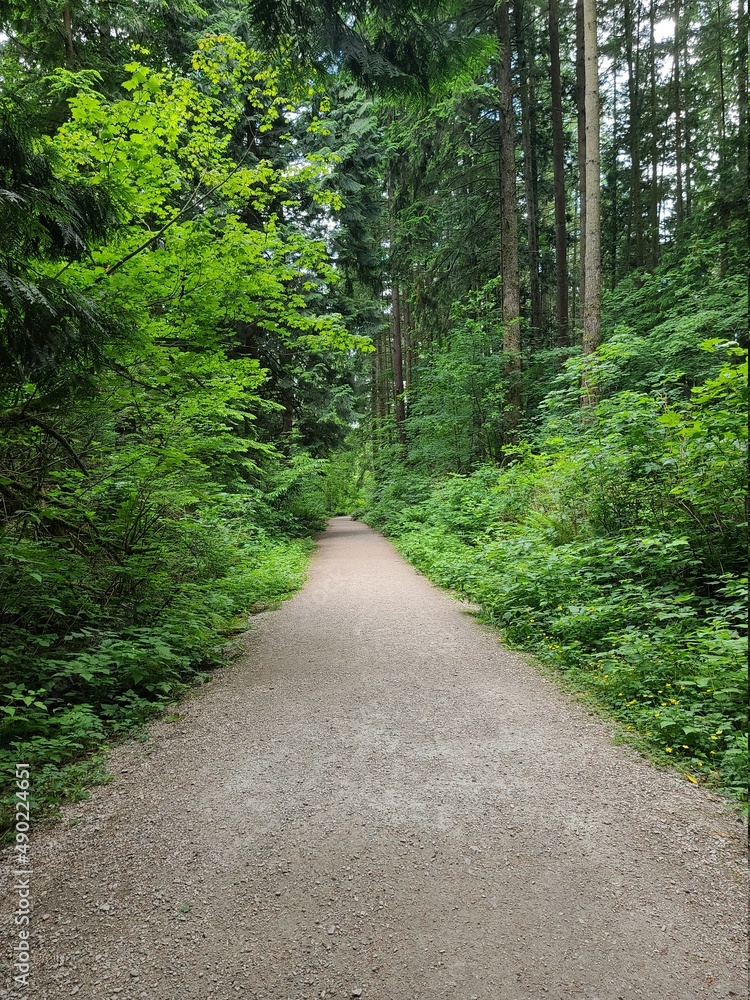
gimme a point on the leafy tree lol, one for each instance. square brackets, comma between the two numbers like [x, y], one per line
[143, 490]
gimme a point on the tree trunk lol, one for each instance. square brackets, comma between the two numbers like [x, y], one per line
[653, 204]
[70, 54]
[558, 168]
[723, 179]
[614, 222]
[528, 112]
[399, 408]
[381, 378]
[592, 261]
[374, 398]
[679, 204]
[581, 116]
[407, 340]
[286, 395]
[511, 292]
[574, 304]
[397, 355]
[636, 207]
[687, 139]
[742, 91]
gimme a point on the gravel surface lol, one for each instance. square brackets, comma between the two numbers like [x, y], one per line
[379, 801]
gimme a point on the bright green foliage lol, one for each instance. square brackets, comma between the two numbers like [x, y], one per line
[146, 503]
[163, 153]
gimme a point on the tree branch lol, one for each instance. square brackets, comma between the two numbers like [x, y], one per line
[16, 416]
[167, 225]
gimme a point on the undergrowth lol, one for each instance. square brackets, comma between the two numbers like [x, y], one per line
[103, 680]
[613, 550]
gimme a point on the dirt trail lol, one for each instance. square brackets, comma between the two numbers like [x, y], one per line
[379, 801]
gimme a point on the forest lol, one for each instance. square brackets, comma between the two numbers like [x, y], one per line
[474, 272]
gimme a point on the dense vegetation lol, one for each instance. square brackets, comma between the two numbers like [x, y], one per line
[175, 371]
[586, 488]
[263, 263]
[611, 542]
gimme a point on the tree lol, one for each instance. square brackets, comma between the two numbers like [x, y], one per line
[581, 149]
[634, 257]
[51, 331]
[530, 167]
[679, 209]
[141, 461]
[592, 258]
[558, 162]
[511, 292]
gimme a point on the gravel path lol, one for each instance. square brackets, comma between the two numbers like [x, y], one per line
[380, 801]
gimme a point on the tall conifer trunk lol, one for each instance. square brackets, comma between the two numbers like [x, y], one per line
[614, 214]
[70, 54]
[679, 204]
[722, 94]
[511, 291]
[581, 120]
[530, 172]
[653, 204]
[592, 261]
[407, 340]
[742, 91]
[399, 408]
[635, 229]
[399, 411]
[558, 168]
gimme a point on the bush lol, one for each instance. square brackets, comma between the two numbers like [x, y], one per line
[116, 642]
[616, 552]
